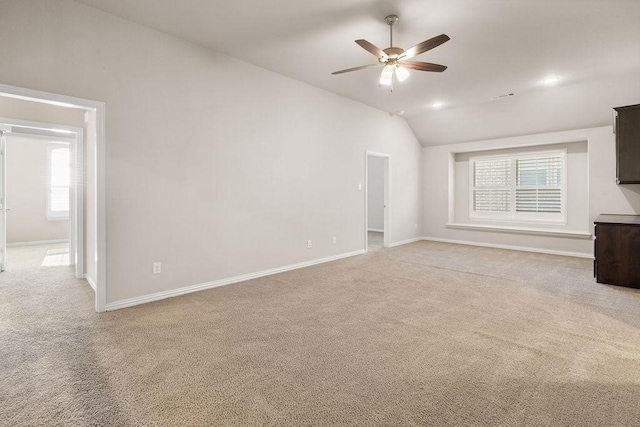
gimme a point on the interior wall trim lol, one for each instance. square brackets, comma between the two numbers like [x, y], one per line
[510, 247]
[405, 242]
[116, 305]
[89, 280]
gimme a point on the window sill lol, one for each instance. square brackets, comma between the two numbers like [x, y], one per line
[57, 218]
[522, 230]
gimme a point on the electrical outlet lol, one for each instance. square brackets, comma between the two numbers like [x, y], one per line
[359, 186]
[308, 244]
[157, 267]
[416, 226]
[334, 240]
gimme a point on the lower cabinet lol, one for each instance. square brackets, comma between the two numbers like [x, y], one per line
[617, 250]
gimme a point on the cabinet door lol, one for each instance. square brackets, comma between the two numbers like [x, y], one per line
[618, 255]
[628, 145]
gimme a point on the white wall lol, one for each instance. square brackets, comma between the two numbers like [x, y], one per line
[604, 196]
[215, 167]
[38, 112]
[27, 191]
[375, 193]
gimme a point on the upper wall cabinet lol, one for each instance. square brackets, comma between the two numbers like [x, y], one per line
[627, 130]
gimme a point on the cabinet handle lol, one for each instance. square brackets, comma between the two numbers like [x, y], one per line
[595, 254]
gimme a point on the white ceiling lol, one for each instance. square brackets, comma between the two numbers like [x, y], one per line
[496, 47]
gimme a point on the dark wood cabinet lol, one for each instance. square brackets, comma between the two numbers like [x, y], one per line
[617, 250]
[627, 130]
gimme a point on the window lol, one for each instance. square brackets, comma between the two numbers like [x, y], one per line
[520, 187]
[58, 158]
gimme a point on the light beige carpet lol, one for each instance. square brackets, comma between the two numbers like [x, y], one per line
[35, 256]
[375, 240]
[426, 334]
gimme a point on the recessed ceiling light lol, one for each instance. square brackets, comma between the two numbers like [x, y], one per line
[436, 105]
[551, 81]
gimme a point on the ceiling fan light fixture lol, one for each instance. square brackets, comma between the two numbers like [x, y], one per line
[401, 73]
[387, 75]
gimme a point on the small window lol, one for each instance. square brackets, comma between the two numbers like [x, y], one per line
[522, 187]
[58, 182]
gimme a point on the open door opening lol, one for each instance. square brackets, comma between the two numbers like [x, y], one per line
[30, 111]
[41, 195]
[3, 208]
[377, 201]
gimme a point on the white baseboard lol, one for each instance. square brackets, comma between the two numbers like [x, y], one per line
[377, 230]
[37, 242]
[223, 282]
[404, 242]
[510, 247]
[90, 280]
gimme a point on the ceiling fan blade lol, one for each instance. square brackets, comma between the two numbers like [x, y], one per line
[424, 46]
[422, 66]
[362, 67]
[370, 47]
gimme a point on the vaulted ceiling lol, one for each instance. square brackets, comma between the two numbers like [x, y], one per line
[497, 47]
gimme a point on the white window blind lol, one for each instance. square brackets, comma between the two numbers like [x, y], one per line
[523, 187]
[491, 185]
[539, 184]
[58, 188]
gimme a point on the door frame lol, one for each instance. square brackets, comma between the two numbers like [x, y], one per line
[96, 110]
[75, 139]
[386, 187]
[3, 199]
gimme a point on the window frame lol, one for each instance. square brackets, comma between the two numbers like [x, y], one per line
[56, 215]
[512, 215]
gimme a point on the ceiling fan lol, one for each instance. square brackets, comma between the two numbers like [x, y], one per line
[395, 60]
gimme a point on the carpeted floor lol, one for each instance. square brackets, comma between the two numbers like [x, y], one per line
[375, 240]
[425, 334]
[35, 256]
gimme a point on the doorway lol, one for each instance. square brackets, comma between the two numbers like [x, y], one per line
[376, 201]
[41, 197]
[91, 167]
